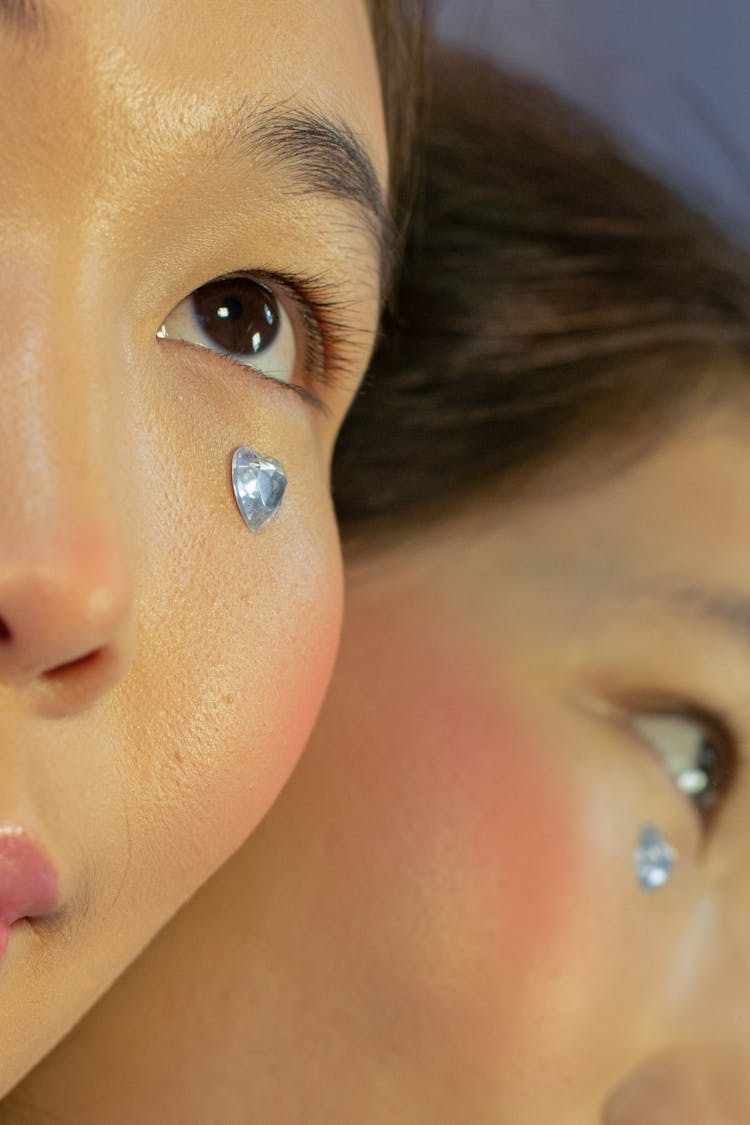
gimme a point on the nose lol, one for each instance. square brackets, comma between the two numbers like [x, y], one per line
[66, 627]
[66, 605]
[698, 1086]
[701, 1073]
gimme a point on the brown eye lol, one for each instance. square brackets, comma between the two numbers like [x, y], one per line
[698, 753]
[238, 317]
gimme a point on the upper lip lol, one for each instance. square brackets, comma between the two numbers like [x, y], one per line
[28, 879]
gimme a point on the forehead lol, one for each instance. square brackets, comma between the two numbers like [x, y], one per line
[685, 506]
[674, 523]
[85, 77]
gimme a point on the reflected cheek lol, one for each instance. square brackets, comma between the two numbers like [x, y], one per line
[486, 861]
[500, 794]
[526, 836]
[513, 868]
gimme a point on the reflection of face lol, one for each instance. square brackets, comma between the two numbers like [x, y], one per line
[448, 878]
[477, 756]
[142, 767]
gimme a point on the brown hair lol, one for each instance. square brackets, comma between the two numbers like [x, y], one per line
[557, 307]
[400, 33]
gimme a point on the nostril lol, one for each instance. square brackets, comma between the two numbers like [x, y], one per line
[5, 633]
[74, 685]
[73, 667]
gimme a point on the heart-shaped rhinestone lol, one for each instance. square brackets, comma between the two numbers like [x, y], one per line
[259, 483]
[654, 859]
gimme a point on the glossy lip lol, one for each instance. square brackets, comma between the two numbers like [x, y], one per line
[28, 879]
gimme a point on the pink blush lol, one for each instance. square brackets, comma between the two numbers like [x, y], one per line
[480, 808]
[517, 817]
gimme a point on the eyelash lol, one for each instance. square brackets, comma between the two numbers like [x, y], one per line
[328, 337]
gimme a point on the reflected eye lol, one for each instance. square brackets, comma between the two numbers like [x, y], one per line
[698, 752]
[241, 318]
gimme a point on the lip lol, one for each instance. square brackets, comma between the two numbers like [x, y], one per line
[28, 879]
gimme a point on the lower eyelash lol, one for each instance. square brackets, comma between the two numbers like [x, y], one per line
[303, 392]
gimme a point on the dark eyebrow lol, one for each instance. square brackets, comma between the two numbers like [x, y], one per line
[323, 156]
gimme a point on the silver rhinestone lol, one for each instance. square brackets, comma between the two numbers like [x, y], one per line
[654, 859]
[259, 483]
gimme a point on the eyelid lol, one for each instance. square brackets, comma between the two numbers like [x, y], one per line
[327, 337]
[620, 706]
[621, 703]
[684, 705]
[723, 724]
[295, 388]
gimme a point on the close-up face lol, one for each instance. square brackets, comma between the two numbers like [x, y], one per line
[520, 693]
[190, 226]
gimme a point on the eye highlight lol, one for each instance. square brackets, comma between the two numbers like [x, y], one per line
[698, 749]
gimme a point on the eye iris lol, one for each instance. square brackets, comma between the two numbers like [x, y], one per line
[708, 778]
[240, 316]
[713, 769]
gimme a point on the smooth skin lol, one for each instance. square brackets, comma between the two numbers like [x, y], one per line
[439, 920]
[161, 668]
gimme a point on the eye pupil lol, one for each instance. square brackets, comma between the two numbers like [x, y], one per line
[708, 759]
[239, 315]
[715, 770]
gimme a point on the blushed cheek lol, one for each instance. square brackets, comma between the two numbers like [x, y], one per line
[510, 922]
[482, 858]
[500, 792]
[227, 727]
[273, 703]
[527, 829]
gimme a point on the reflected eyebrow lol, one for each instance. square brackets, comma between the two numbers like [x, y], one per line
[322, 156]
[727, 608]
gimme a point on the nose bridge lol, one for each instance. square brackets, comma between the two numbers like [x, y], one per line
[701, 1073]
[65, 582]
[57, 403]
[731, 969]
[712, 989]
[695, 1085]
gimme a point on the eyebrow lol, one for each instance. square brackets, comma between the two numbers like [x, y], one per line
[323, 156]
[728, 608]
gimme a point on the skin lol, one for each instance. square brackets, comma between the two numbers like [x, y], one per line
[439, 919]
[164, 667]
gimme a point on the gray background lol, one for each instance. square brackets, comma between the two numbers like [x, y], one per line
[670, 77]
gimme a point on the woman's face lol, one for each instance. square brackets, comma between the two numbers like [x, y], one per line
[476, 786]
[160, 667]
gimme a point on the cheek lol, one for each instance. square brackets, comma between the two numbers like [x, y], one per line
[496, 808]
[503, 866]
[233, 667]
[266, 665]
[492, 787]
